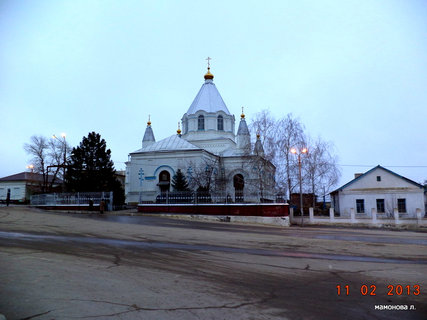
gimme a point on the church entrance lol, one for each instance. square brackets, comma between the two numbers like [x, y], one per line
[239, 184]
[164, 181]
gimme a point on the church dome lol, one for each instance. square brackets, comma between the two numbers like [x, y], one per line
[208, 98]
[209, 75]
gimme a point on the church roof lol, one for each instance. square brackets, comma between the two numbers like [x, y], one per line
[258, 149]
[208, 99]
[243, 127]
[148, 135]
[172, 143]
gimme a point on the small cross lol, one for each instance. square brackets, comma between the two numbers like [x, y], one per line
[141, 176]
[208, 58]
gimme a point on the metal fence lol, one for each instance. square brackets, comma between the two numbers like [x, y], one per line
[190, 197]
[73, 199]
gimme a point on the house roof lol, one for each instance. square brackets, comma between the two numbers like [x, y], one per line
[208, 99]
[172, 143]
[374, 168]
[27, 176]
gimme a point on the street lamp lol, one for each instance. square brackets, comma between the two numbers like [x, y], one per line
[64, 143]
[299, 153]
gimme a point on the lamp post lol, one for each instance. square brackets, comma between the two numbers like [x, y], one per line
[64, 143]
[299, 152]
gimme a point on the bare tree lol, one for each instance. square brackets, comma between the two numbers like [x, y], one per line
[263, 172]
[279, 137]
[290, 134]
[265, 126]
[203, 175]
[321, 169]
[47, 159]
[38, 148]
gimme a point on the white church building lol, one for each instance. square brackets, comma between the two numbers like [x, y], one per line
[209, 153]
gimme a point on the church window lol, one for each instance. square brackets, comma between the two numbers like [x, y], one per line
[220, 123]
[201, 123]
[164, 181]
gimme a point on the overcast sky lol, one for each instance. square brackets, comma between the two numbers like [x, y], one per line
[353, 72]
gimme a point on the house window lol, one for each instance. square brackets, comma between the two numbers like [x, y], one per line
[378, 178]
[401, 205]
[220, 123]
[201, 123]
[360, 205]
[380, 206]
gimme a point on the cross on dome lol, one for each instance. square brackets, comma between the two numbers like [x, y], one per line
[209, 75]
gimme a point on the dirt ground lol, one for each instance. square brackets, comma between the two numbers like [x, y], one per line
[63, 266]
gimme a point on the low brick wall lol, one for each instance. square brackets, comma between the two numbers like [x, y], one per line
[260, 210]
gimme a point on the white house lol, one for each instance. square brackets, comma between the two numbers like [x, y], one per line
[207, 148]
[380, 189]
[22, 185]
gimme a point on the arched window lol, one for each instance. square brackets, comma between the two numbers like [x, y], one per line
[220, 123]
[201, 123]
[164, 181]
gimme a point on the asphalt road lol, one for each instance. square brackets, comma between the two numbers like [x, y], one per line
[68, 266]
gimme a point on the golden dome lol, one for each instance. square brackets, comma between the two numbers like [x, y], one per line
[148, 122]
[242, 115]
[179, 129]
[209, 75]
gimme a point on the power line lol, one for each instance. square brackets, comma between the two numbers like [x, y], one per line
[371, 166]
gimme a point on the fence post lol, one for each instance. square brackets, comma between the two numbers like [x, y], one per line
[418, 213]
[331, 214]
[311, 214]
[374, 215]
[291, 213]
[352, 215]
[396, 216]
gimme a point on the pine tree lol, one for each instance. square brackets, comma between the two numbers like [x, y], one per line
[179, 181]
[91, 169]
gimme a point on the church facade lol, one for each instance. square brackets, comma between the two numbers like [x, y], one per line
[213, 158]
